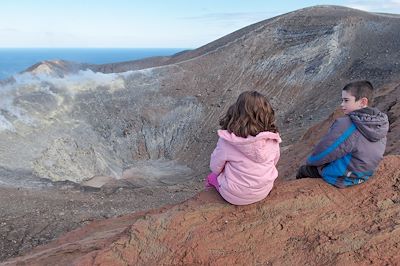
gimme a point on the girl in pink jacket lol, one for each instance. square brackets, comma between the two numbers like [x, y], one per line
[243, 163]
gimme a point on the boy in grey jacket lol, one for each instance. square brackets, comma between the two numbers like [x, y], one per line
[352, 149]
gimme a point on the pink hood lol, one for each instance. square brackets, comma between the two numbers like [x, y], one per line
[253, 148]
[245, 166]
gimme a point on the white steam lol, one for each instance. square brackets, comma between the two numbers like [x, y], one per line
[57, 87]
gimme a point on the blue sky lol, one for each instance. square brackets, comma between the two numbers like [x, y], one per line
[146, 23]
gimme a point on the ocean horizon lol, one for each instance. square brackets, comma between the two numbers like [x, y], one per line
[15, 60]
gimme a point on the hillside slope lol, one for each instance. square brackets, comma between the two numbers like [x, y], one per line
[301, 222]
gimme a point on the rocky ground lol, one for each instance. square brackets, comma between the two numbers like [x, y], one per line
[302, 222]
[31, 217]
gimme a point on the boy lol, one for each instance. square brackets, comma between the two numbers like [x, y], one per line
[352, 149]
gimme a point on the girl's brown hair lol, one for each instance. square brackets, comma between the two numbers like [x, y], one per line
[250, 115]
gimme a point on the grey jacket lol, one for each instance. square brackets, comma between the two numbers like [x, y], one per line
[352, 149]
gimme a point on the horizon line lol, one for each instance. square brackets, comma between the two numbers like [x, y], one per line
[108, 47]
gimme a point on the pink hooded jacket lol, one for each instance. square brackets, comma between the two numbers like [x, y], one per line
[245, 166]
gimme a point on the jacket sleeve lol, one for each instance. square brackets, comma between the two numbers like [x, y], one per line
[335, 144]
[218, 158]
[277, 156]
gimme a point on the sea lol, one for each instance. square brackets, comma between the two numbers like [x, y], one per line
[15, 60]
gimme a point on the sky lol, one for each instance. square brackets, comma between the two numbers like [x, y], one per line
[143, 24]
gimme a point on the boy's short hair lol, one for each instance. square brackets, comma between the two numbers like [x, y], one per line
[361, 89]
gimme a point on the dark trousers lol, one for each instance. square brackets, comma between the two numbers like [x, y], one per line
[308, 171]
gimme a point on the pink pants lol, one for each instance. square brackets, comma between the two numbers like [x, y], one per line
[212, 181]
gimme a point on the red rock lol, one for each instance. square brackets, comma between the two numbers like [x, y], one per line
[301, 222]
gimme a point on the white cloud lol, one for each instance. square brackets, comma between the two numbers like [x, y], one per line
[8, 30]
[255, 16]
[387, 6]
[211, 26]
[228, 22]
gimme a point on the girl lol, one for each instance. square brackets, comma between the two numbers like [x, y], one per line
[243, 163]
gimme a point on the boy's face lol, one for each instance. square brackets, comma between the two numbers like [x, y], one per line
[349, 103]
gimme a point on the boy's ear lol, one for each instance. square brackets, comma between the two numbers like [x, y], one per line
[364, 101]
